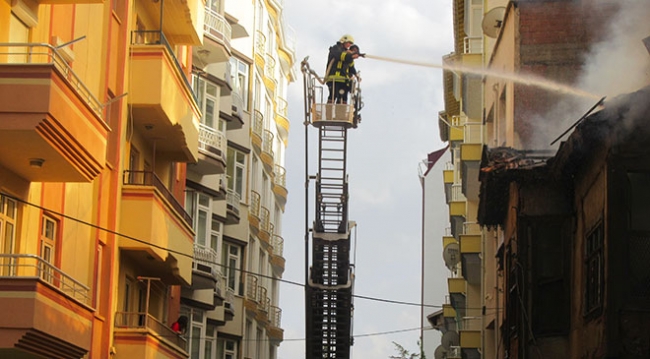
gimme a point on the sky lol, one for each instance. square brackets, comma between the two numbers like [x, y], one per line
[399, 128]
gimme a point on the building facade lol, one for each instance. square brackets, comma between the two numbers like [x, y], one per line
[513, 61]
[130, 181]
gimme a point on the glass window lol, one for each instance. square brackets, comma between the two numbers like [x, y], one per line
[236, 164]
[594, 270]
[48, 245]
[240, 75]
[232, 256]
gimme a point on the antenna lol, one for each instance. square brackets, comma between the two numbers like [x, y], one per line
[440, 353]
[492, 21]
[451, 255]
[449, 339]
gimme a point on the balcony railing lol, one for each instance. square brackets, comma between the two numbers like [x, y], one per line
[275, 316]
[473, 45]
[449, 166]
[157, 37]
[148, 178]
[251, 287]
[207, 257]
[473, 132]
[260, 42]
[33, 266]
[232, 200]
[238, 103]
[258, 124]
[457, 193]
[208, 136]
[283, 107]
[278, 245]
[141, 320]
[265, 220]
[280, 177]
[269, 67]
[218, 23]
[255, 204]
[263, 301]
[39, 53]
[267, 144]
[454, 353]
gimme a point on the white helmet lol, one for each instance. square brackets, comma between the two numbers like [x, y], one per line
[347, 38]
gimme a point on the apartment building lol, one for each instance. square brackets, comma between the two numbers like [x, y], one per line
[518, 48]
[127, 177]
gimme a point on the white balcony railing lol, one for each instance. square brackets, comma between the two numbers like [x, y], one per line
[473, 45]
[35, 267]
[210, 137]
[216, 24]
[280, 176]
[457, 193]
[278, 245]
[207, 257]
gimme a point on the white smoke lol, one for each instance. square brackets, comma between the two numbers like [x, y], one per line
[619, 64]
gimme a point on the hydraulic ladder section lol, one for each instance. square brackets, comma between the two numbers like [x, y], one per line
[330, 277]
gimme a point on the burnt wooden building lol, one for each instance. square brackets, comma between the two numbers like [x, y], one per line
[572, 237]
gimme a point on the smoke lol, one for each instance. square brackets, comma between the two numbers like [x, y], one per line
[618, 64]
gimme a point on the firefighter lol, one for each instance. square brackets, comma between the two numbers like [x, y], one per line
[338, 75]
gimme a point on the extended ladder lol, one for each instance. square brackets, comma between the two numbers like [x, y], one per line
[330, 277]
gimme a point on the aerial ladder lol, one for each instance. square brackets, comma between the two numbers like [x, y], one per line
[329, 273]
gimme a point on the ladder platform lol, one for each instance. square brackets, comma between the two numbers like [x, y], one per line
[326, 114]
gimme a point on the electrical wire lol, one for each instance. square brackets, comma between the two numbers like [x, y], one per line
[242, 271]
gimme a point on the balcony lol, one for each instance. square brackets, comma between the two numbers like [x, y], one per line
[161, 101]
[456, 130]
[470, 254]
[277, 249]
[205, 271]
[266, 228]
[50, 121]
[457, 206]
[45, 311]
[217, 34]
[252, 295]
[270, 81]
[280, 185]
[282, 119]
[212, 151]
[260, 50]
[162, 232]
[254, 213]
[267, 155]
[457, 294]
[275, 332]
[287, 48]
[257, 132]
[182, 20]
[263, 304]
[233, 201]
[141, 335]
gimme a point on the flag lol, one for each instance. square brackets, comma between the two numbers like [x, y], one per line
[433, 157]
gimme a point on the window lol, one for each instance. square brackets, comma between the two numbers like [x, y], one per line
[594, 270]
[232, 259]
[240, 75]
[258, 342]
[48, 247]
[207, 96]
[226, 349]
[236, 166]
[8, 213]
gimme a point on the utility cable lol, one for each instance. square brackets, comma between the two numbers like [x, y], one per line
[242, 271]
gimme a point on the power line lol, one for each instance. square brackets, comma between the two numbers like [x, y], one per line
[243, 271]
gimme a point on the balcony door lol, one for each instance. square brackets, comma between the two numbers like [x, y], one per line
[8, 212]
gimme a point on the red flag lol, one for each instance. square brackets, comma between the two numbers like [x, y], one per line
[433, 157]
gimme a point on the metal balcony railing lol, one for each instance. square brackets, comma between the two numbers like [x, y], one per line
[157, 37]
[275, 316]
[141, 320]
[258, 124]
[278, 245]
[280, 176]
[252, 287]
[267, 144]
[40, 53]
[150, 179]
[233, 199]
[473, 132]
[265, 219]
[260, 42]
[454, 353]
[269, 67]
[208, 136]
[218, 23]
[263, 302]
[254, 207]
[283, 107]
[33, 266]
[449, 166]
[448, 232]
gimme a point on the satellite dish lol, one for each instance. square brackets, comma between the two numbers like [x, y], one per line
[440, 353]
[451, 255]
[492, 21]
[449, 339]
